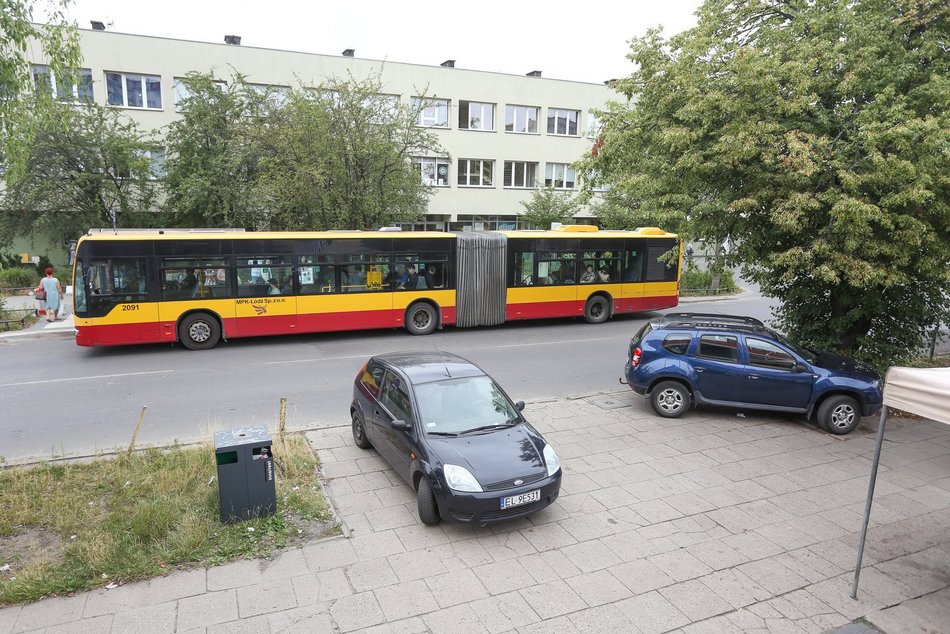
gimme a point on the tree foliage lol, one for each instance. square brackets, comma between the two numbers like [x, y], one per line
[814, 134]
[547, 206]
[339, 156]
[89, 175]
[211, 170]
[20, 41]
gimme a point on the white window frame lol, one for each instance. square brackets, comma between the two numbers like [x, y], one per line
[55, 86]
[143, 81]
[520, 113]
[431, 170]
[434, 114]
[557, 175]
[527, 168]
[476, 115]
[473, 172]
[557, 114]
[156, 157]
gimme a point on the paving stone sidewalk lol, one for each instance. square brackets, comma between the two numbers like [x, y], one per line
[709, 523]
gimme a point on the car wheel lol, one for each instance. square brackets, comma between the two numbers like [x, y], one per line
[359, 432]
[421, 319]
[839, 414]
[597, 310]
[670, 399]
[199, 331]
[428, 511]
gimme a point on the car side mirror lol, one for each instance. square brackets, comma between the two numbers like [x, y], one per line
[519, 406]
[400, 425]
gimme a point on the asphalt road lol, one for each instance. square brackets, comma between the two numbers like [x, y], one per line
[57, 399]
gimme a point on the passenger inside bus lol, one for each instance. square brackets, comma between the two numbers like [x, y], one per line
[272, 288]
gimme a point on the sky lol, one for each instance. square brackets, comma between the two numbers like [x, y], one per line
[580, 40]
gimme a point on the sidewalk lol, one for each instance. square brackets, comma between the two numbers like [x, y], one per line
[709, 523]
[42, 328]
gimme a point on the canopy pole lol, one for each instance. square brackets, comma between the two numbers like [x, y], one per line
[867, 506]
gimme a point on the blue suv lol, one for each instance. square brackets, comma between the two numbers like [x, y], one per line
[681, 359]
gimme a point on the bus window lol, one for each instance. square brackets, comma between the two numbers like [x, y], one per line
[633, 270]
[656, 269]
[556, 268]
[258, 276]
[115, 281]
[600, 267]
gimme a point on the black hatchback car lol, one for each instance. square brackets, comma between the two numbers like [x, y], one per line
[453, 434]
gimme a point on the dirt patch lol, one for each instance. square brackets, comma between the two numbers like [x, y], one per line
[26, 547]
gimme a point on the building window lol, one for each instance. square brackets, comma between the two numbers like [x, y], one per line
[433, 172]
[521, 119]
[134, 91]
[475, 172]
[64, 90]
[276, 95]
[433, 113]
[563, 122]
[182, 91]
[474, 115]
[559, 176]
[156, 157]
[520, 174]
[594, 126]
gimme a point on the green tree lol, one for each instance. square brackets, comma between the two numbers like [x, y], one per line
[56, 42]
[816, 136]
[211, 171]
[340, 156]
[547, 206]
[96, 173]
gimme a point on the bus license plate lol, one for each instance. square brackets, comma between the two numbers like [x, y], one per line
[518, 500]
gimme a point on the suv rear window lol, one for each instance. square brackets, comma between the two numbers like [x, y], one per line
[721, 347]
[643, 332]
[677, 343]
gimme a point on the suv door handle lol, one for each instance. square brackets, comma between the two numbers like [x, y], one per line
[699, 369]
[753, 376]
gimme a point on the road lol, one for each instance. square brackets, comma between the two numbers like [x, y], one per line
[57, 399]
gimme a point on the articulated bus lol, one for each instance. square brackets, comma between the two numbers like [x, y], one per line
[200, 286]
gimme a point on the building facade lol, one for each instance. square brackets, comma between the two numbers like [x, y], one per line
[505, 134]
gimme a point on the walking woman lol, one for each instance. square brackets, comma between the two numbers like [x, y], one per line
[54, 293]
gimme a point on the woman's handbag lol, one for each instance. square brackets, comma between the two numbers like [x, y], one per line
[63, 311]
[40, 295]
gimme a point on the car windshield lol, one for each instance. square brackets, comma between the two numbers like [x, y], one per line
[804, 353]
[456, 406]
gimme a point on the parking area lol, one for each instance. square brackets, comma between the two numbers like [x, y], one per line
[711, 522]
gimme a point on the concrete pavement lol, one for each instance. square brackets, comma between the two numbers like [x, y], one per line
[42, 328]
[714, 522]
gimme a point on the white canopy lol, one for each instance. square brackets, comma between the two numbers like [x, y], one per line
[921, 391]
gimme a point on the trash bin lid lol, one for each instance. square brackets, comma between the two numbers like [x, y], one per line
[242, 436]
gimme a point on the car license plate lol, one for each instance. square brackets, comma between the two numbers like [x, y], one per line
[518, 500]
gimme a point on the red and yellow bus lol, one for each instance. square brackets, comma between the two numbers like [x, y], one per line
[200, 286]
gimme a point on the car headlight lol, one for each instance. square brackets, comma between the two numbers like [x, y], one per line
[551, 460]
[460, 479]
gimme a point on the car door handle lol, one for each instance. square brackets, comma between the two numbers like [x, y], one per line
[753, 376]
[699, 369]
[376, 413]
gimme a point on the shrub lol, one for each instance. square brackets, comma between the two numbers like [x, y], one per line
[694, 280]
[18, 277]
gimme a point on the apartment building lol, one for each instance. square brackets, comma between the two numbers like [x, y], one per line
[505, 134]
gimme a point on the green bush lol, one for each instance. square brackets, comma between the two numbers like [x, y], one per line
[694, 280]
[18, 277]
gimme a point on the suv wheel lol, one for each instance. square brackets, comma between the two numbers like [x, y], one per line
[670, 399]
[839, 414]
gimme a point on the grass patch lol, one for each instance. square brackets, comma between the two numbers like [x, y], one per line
[939, 361]
[72, 527]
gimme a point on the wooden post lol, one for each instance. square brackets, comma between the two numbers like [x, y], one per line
[136, 432]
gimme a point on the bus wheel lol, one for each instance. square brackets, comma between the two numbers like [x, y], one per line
[199, 331]
[597, 310]
[420, 319]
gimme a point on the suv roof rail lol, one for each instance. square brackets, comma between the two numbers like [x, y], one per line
[714, 317]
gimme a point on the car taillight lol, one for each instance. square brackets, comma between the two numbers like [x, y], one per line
[362, 370]
[635, 357]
